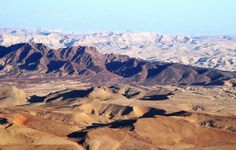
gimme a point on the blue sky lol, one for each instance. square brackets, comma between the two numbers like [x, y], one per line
[197, 17]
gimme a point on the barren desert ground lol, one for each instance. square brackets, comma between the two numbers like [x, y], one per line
[117, 75]
[72, 115]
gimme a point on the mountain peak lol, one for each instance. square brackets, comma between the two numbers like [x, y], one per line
[203, 51]
[88, 63]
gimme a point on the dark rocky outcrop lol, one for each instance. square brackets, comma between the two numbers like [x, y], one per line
[87, 63]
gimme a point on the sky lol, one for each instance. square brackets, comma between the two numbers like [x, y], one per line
[195, 17]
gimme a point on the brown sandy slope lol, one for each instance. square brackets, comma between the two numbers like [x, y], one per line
[154, 133]
[119, 117]
[11, 96]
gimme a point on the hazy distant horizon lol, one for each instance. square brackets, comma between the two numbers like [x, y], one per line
[115, 32]
[185, 17]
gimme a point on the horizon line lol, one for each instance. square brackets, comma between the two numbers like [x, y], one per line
[58, 30]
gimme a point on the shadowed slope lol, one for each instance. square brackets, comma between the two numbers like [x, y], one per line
[88, 64]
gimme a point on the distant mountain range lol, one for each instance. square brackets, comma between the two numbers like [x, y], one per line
[217, 52]
[89, 65]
